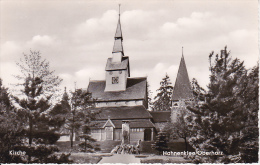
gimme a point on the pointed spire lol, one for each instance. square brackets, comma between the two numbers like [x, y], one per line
[118, 45]
[65, 96]
[182, 88]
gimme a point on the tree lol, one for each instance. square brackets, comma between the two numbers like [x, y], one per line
[149, 96]
[161, 143]
[4, 98]
[250, 132]
[198, 91]
[180, 122]
[60, 111]
[81, 116]
[11, 128]
[221, 123]
[164, 93]
[38, 84]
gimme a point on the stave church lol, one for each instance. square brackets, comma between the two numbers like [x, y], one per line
[122, 100]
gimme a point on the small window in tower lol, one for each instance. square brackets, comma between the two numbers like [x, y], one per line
[115, 80]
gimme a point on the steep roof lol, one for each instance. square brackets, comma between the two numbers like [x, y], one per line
[123, 113]
[135, 90]
[117, 66]
[118, 45]
[161, 116]
[182, 88]
[118, 30]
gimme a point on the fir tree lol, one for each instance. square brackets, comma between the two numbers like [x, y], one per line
[250, 133]
[163, 98]
[4, 98]
[181, 122]
[198, 91]
[11, 128]
[38, 84]
[60, 111]
[221, 122]
[81, 116]
[149, 96]
[161, 143]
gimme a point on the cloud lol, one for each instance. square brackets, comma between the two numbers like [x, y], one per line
[42, 40]
[9, 51]
[96, 28]
[188, 27]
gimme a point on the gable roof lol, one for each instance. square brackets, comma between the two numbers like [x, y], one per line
[109, 123]
[159, 117]
[117, 66]
[135, 90]
[122, 112]
[182, 88]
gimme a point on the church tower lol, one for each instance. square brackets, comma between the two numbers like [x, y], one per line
[182, 89]
[117, 68]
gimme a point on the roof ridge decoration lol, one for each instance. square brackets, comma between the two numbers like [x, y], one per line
[118, 44]
[182, 88]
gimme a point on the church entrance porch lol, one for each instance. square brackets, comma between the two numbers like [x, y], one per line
[109, 133]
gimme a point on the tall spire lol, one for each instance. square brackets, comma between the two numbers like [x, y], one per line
[118, 44]
[182, 88]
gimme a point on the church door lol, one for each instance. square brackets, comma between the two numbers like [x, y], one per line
[109, 133]
[147, 134]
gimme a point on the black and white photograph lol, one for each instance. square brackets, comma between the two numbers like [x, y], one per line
[129, 81]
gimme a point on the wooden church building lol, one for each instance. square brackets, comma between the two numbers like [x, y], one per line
[121, 98]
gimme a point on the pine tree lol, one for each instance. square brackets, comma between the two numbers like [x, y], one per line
[59, 112]
[161, 143]
[163, 98]
[11, 128]
[80, 118]
[250, 133]
[198, 91]
[149, 96]
[218, 124]
[4, 98]
[181, 122]
[38, 84]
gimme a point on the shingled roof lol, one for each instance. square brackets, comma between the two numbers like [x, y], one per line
[117, 66]
[118, 45]
[135, 90]
[123, 112]
[118, 30]
[182, 88]
[159, 117]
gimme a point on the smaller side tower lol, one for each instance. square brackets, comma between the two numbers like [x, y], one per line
[182, 90]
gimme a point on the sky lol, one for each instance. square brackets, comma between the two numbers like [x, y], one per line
[77, 36]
